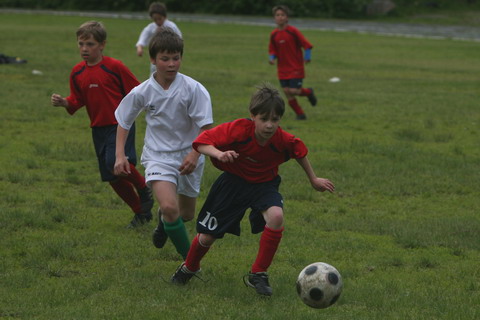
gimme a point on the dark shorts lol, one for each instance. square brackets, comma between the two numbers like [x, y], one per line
[291, 83]
[104, 140]
[228, 200]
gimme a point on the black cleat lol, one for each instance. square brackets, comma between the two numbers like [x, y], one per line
[258, 281]
[159, 236]
[140, 219]
[301, 116]
[312, 98]
[183, 275]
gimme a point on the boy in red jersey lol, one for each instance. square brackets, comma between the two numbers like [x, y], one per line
[286, 43]
[100, 83]
[249, 151]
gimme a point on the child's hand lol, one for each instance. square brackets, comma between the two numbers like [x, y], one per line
[189, 163]
[271, 61]
[121, 167]
[139, 51]
[58, 101]
[227, 156]
[321, 184]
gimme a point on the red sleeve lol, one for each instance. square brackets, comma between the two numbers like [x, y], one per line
[129, 81]
[75, 100]
[271, 46]
[303, 41]
[217, 136]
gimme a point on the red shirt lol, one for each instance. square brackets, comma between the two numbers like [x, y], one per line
[100, 88]
[287, 46]
[255, 163]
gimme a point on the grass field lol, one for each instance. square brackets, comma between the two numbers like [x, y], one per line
[398, 135]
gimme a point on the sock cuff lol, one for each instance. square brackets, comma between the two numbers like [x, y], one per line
[173, 225]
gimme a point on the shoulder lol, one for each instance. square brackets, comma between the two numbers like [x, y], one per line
[190, 83]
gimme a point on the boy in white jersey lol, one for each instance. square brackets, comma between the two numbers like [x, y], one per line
[177, 109]
[158, 12]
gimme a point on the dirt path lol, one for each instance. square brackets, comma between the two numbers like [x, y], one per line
[390, 29]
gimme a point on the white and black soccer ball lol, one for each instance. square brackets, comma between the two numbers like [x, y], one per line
[319, 285]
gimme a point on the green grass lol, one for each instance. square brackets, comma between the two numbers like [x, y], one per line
[399, 136]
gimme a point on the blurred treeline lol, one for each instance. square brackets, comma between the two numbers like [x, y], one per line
[300, 8]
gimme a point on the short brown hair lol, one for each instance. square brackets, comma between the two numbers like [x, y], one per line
[92, 28]
[267, 100]
[165, 40]
[157, 7]
[282, 7]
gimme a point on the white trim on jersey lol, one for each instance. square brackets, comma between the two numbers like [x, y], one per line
[174, 116]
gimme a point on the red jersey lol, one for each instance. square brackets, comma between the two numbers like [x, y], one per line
[287, 46]
[255, 163]
[100, 88]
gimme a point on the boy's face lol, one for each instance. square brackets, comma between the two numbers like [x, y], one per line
[90, 49]
[167, 65]
[281, 18]
[265, 126]
[158, 19]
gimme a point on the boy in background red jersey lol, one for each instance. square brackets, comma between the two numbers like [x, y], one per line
[100, 83]
[249, 152]
[286, 43]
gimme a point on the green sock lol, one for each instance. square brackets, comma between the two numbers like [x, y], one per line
[178, 234]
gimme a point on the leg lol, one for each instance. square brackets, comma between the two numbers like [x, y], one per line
[199, 248]
[269, 242]
[165, 192]
[187, 207]
[290, 93]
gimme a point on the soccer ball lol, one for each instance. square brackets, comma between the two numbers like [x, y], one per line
[319, 285]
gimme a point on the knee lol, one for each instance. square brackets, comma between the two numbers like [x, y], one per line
[169, 212]
[206, 240]
[274, 218]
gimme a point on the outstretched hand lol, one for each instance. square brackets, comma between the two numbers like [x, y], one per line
[227, 156]
[321, 184]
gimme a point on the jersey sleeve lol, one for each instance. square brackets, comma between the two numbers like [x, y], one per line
[129, 109]
[129, 81]
[296, 148]
[200, 109]
[217, 137]
[144, 36]
[75, 99]
[303, 41]
[271, 45]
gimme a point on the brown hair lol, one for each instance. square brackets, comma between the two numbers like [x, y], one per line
[282, 7]
[157, 7]
[165, 40]
[92, 28]
[267, 100]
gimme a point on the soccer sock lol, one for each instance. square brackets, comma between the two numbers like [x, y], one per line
[295, 106]
[305, 92]
[269, 242]
[195, 254]
[178, 234]
[135, 178]
[126, 191]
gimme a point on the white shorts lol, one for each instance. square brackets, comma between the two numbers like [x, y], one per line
[163, 166]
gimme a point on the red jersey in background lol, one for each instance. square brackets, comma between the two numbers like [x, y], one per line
[287, 46]
[100, 88]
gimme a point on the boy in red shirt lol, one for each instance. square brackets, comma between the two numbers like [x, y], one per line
[286, 43]
[100, 83]
[249, 151]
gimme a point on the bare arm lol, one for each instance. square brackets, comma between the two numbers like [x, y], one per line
[122, 166]
[190, 162]
[319, 184]
[223, 156]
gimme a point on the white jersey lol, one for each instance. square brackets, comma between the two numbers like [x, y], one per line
[174, 116]
[149, 31]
